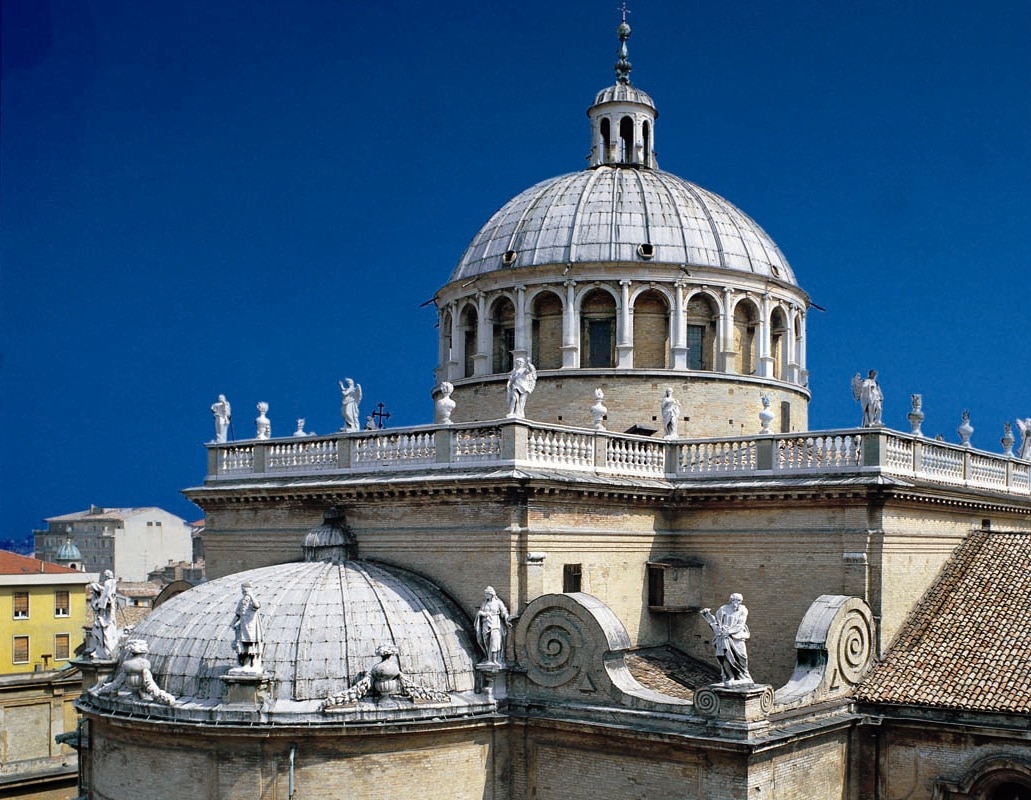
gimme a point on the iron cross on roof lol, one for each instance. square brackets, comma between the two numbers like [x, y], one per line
[381, 415]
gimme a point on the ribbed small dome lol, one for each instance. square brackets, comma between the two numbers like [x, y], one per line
[322, 623]
[606, 213]
[68, 552]
[623, 93]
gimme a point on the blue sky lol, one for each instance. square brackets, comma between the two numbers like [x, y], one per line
[256, 198]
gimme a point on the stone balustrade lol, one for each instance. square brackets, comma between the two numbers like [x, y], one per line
[525, 443]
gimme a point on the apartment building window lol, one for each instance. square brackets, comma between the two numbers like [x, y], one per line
[61, 607]
[21, 650]
[62, 645]
[21, 605]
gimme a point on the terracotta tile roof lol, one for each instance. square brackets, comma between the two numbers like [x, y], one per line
[967, 644]
[14, 564]
[668, 670]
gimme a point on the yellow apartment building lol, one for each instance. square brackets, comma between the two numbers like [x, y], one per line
[42, 613]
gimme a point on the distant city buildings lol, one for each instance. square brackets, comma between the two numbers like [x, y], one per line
[128, 541]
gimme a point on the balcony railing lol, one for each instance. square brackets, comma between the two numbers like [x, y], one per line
[523, 443]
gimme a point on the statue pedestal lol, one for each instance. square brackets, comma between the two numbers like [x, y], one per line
[737, 712]
[245, 688]
[486, 673]
[95, 671]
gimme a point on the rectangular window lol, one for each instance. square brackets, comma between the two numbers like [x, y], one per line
[600, 342]
[572, 575]
[61, 607]
[21, 605]
[62, 645]
[656, 586]
[696, 347]
[21, 650]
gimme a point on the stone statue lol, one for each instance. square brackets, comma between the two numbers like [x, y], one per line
[765, 414]
[598, 410]
[868, 392]
[522, 380]
[247, 623]
[1024, 426]
[350, 397]
[263, 428]
[670, 414]
[300, 428]
[370, 423]
[385, 675]
[729, 634]
[134, 673]
[492, 624]
[104, 635]
[223, 414]
[443, 404]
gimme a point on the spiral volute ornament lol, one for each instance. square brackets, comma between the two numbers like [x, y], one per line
[854, 645]
[555, 648]
[706, 702]
[766, 700]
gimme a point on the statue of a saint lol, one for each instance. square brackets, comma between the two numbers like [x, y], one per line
[868, 392]
[729, 634]
[522, 380]
[670, 414]
[223, 414]
[1024, 426]
[492, 624]
[104, 635]
[350, 397]
[247, 623]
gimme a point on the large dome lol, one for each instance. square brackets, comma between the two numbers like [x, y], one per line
[322, 622]
[606, 213]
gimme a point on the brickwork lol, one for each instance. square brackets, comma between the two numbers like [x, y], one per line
[916, 756]
[710, 405]
[651, 332]
[840, 543]
[146, 763]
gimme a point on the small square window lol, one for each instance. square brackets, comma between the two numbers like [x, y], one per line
[21, 650]
[61, 606]
[62, 646]
[21, 605]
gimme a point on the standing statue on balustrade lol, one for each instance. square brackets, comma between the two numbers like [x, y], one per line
[223, 414]
[350, 397]
[729, 633]
[670, 414]
[522, 380]
[1024, 426]
[868, 392]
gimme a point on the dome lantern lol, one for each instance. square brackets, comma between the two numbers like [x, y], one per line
[623, 118]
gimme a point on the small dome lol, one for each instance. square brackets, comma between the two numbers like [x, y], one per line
[68, 552]
[606, 213]
[321, 622]
[623, 93]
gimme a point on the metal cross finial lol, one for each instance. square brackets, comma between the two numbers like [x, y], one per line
[623, 65]
[380, 415]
